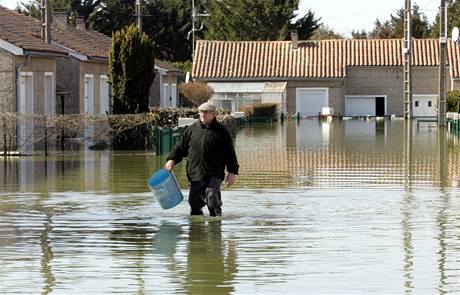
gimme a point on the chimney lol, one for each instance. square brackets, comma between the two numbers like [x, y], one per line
[294, 39]
[60, 17]
[80, 23]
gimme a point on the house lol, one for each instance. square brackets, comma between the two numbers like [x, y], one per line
[28, 69]
[163, 91]
[72, 64]
[353, 77]
[82, 78]
[80, 58]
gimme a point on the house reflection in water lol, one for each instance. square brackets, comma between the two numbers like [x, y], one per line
[352, 153]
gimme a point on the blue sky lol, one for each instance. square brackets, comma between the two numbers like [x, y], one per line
[343, 16]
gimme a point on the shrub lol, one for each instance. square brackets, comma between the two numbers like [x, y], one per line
[131, 67]
[195, 93]
[453, 101]
[247, 109]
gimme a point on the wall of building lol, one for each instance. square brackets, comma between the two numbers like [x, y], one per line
[67, 81]
[378, 81]
[7, 82]
[154, 91]
[96, 69]
[336, 92]
[38, 66]
[455, 84]
[389, 82]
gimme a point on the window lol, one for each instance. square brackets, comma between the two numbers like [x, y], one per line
[416, 103]
[429, 103]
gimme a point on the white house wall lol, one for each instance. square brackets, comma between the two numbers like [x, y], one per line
[424, 105]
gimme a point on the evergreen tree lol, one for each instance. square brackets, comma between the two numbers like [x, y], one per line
[131, 69]
[306, 25]
[326, 33]
[359, 34]
[381, 30]
[31, 8]
[256, 20]
[394, 28]
[453, 18]
[113, 16]
[74, 7]
[166, 22]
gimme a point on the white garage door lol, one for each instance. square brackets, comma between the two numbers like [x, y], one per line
[310, 101]
[424, 105]
[360, 106]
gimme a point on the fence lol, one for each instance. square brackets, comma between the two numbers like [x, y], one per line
[166, 138]
[453, 122]
[27, 134]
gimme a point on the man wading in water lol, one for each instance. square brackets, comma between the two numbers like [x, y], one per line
[208, 146]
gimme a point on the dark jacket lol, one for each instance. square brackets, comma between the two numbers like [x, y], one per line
[209, 150]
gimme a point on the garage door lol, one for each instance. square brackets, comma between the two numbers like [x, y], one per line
[424, 105]
[365, 106]
[310, 101]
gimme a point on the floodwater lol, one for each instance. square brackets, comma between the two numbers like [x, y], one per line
[342, 207]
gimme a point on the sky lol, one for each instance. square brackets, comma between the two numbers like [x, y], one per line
[344, 16]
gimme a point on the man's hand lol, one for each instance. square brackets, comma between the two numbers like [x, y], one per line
[170, 165]
[231, 178]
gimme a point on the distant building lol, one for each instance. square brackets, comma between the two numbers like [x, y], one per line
[164, 91]
[68, 75]
[354, 77]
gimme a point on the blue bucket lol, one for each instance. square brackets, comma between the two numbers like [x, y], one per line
[165, 188]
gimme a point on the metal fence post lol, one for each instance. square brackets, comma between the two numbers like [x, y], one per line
[46, 135]
[4, 137]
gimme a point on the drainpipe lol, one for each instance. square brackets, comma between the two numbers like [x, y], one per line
[17, 82]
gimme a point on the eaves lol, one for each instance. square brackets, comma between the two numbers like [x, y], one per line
[246, 79]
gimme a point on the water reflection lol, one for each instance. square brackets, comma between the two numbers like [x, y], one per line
[211, 264]
[305, 154]
[349, 207]
[352, 153]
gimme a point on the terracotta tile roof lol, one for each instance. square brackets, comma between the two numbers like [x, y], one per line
[312, 59]
[95, 45]
[24, 32]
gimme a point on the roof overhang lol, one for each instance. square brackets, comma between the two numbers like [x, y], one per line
[213, 79]
[71, 52]
[45, 54]
[11, 47]
[162, 71]
[249, 87]
[98, 60]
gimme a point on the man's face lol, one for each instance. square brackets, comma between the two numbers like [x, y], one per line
[206, 117]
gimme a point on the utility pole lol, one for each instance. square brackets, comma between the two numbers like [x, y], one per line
[442, 64]
[193, 30]
[139, 15]
[45, 10]
[407, 50]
